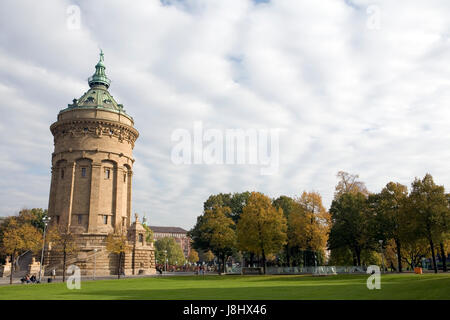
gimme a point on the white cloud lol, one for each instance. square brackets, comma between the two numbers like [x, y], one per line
[372, 102]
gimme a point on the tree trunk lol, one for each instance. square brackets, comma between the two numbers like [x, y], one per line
[264, 260]
[399, 255]
[288, 258]
[304, 258]
[433, 255]
[355, 262]
[444, 257]
[13, 255]
[64, 264]
[222, 265]
[358, 257]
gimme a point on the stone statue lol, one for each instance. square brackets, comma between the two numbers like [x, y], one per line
[136, 216]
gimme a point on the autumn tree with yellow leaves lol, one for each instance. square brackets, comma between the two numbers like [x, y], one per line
[18, 238]
[215, 231]
[309, 224]
[261, 228]
[62, 242]
[116, 243]
[193, 256]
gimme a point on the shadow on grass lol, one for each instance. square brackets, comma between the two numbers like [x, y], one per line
[242, 293]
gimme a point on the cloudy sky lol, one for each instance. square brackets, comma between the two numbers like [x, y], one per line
[359, 86]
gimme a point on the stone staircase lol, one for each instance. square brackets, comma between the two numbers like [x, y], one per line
[82, 257]
[22, 263]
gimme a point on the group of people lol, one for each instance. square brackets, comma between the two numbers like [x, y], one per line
[202, 269]
[29, 279]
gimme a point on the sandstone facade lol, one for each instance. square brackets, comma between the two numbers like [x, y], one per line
[91, 183]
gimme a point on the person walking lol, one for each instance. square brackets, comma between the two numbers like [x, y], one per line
[53, 273]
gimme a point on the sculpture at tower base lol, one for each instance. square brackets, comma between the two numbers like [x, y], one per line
[91, 183]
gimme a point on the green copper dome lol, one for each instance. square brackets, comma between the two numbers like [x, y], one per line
[98, 97]
[99, 77]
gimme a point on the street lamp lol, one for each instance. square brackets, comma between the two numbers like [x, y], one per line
[95, 260]
[382, 257]
[46, 220]
[165, 260]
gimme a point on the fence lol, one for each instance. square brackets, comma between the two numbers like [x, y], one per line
[320, 270]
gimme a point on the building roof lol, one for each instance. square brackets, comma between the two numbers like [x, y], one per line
[167, 229]
[98, 97]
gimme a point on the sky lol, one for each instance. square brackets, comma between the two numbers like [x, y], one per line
[358, 86]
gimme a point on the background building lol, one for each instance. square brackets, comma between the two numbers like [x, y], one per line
[179, 234]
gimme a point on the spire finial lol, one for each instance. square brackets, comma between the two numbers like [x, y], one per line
[99, 77]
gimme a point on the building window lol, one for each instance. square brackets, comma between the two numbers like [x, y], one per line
[62, 173]
[107, 173]
[57, 219]
[83, 172]
[124, 177]
[141, 237]
[80, 219]
[105, 219]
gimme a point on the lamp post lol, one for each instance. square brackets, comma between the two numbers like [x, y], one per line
[95, 260]
[165, 260]
[382, 257]
[46, 220]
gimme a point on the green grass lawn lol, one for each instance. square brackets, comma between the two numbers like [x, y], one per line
[393, 286]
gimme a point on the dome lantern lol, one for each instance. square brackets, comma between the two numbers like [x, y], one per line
[99, 77]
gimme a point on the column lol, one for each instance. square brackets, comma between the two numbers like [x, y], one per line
[130, 174]
[68, 187]
[96, 175]
[118, 212]
[51, 201]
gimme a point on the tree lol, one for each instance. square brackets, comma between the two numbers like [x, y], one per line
[34, 216]
[63, 242]
[117, 243]
[148, 234]
[209, 256]
[236, 202]
[429, 204]
[215, 231]
[19, 237]
[174, 254]
[445, 235]
[348, 183]
[414, 249]
[288, 205]
[261, 228]
[193, 256]
[350, 219]
[309, 224]
[391, 215]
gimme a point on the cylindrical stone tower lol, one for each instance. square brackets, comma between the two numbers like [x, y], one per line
[92, 162]
[90, 192]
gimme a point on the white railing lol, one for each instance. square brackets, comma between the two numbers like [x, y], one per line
[319, 270]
